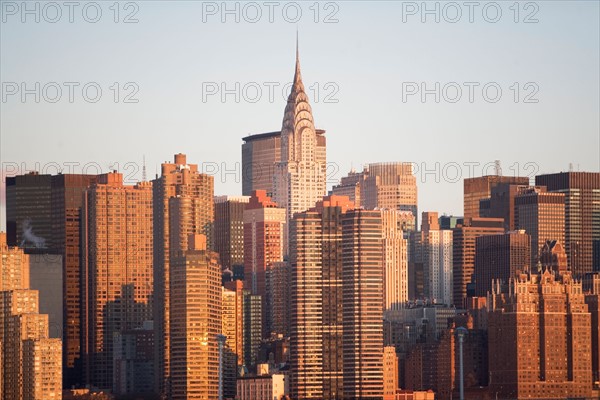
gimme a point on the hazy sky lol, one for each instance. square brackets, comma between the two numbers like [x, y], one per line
[367, 62]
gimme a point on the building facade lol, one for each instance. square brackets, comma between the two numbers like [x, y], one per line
[463, 252]
[362, 294]
[229, 229]
[116, 247]
[195, 322]
[539, 333]
[182, 187]
[480, 188]
[300, 175]
[500, 257]
[582, 216]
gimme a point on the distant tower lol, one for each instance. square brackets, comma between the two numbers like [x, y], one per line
[299, 180]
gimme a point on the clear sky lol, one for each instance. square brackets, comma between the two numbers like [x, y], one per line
[365, 65]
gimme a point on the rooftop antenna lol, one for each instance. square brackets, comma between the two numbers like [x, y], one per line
[497, 168]
[144, 168]
[570, 167]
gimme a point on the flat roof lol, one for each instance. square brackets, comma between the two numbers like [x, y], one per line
[266, 135]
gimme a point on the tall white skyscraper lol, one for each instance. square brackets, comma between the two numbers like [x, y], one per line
[299, 180]
[437, 259]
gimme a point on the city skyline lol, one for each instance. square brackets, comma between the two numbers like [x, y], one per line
[372, 65]
[357, 245]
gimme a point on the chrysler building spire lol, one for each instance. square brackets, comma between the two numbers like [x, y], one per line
[299, 180]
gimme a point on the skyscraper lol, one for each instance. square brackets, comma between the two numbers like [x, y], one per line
[260, 155]
[351, 186]
[390, 185]
[31, 366]
[229, 229]
[463, 252]
[362, 277]
[264, 226]
[44, 212]
[316, 298]
[116, 268]
[195, 297]
[501, 203]
[539, 335]
[253, 324]
[306, 339]
[183, 188]
[582, 216]
[395, 248]
[500, 257]
[300, 175]
[436, 250]
[479, 188]
[542, 215]
[232, 326]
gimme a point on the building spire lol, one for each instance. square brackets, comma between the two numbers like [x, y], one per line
[297, 75]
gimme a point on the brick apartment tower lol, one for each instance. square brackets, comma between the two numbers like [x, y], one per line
[31, 366]
[183, 188]
[195, 322]
[116, 268]
[539, 335]
[582, 224]
[264, 230]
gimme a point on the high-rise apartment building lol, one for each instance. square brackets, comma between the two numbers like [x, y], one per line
[350, 186]
[182, 188]
[463, 252]
[116, 251]
[133, 358]
[14, 266]
[232, 326]
[390, 185]
[582, 216]
[229, 229]
[436, 253]
[264, 230]
[31, 366]
[542, 215]
[395, 249]
[196, 304]
[362, 295]
[390, 371]
[300, 175]
[479, 188]
[539, 335]
[306, 338]
[316, 298]
[500, 257]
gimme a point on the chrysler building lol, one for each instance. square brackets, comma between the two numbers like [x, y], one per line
[300, 177]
